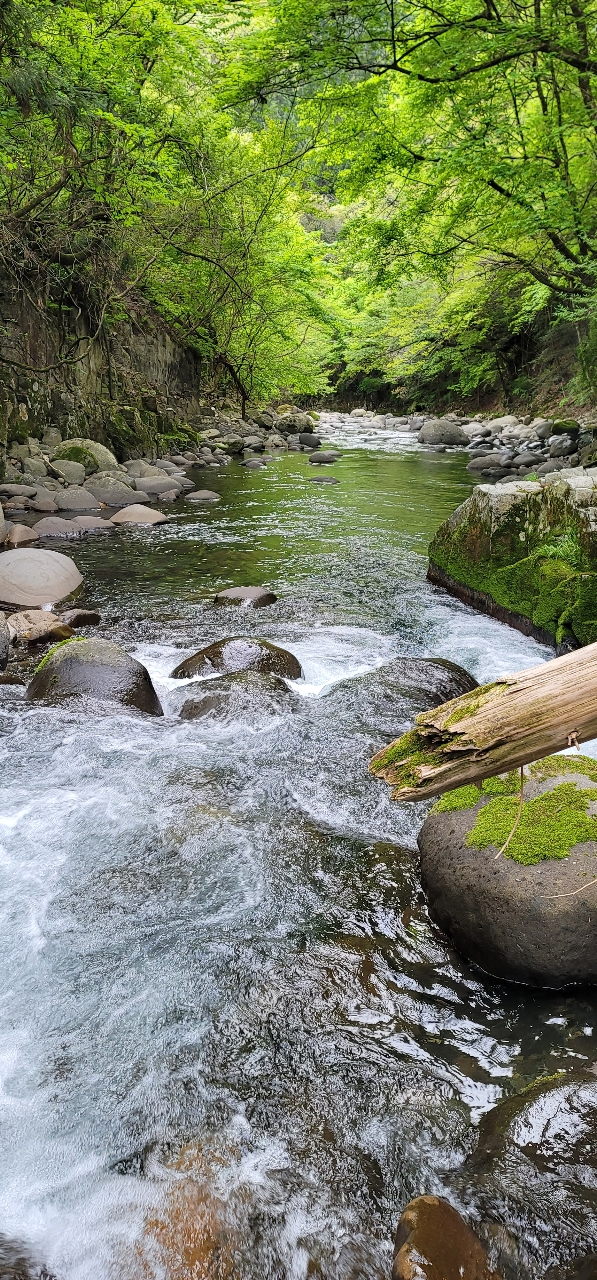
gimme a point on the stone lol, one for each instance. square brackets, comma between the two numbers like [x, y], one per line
[138, 514]
[43, 505]
[534, 1167]
[55, 631]
[527, 914]
[76, 499]
[18, 1263]
[294, 422]
[37, 467]
[156, 484]
[20, 535]
[88, 523]
[56, 527]
[442, 433]
[254, 597]
[95, 669]
[396, 691]
[114, 490]
[253, 464]
[51, 438]
[327, 455]
[527, 459]
[323, 480]
[103, 456]
[203, 495]
[32, 576]
[18, 490]
[433, 1242]
[239, 653]
[240, 694]
[309, 439]
[4, 642]
[71, 472]
[20, 623]
[80, 618]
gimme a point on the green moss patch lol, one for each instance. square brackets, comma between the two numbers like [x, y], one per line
[468, 796]
[76, 453]
[411, 750]
[60, 645]
[549, 826]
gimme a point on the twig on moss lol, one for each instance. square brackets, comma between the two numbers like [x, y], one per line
[517, 820]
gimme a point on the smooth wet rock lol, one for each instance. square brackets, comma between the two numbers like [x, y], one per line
[76, 499]
[323, 480]
[17, 490]
[76, 618]
[156, 484]
[203, 495]
[441, 432]
[96, 669]
[253, 464]
[88, 523]
[237, 696]
[326, 455]
[111, 490]
[71, 472]
[22, 622]
[33, 576]
[239, 653]
[138, 514]
[57, 527]
[17, 1262]
[392, 695]
[309, 439]
[433, 1242]
[254, 597]
[531, 922]
[20, 535]
[4, 641]
[44, 505]
[534, 1168]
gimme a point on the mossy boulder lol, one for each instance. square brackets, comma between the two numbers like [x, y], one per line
[526, 552]
[97, 670]
[89, 449]
[76, 453]
[528, 913]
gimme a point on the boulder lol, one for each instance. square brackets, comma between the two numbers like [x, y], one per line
[91, 522]
[111, 489]
[203, 495]
[80, 618]
[104, 458]
[138, 514]
[94, 669]
[20, 623]
[18, 490]
[253, 464]
[156, 484]
[534, 1168]
[309, 439]
[327, 455]
[442, 433]
[76, 499]
[393, 693]
[254, 597]
[55, 631]
[242, 694]
[294, 422]
[71, 472]
[32, 576]
[528, 914]
[4, 642]
[433, 1242]
[239, 653]
[20, 535]
[44, 505]
[56, 527]
[323, 480]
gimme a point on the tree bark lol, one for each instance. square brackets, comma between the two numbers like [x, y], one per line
[495, 728]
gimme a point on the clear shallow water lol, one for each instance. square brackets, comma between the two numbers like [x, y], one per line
[231, 1042]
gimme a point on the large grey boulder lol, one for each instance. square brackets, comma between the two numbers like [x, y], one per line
[442, 433]
[71, 472]
[527, 914]
[76, 499]
[239, 653]
[96, 669]
[104, 457]
[157, 484]
[138, 514]
[115, 490]
[32, 576]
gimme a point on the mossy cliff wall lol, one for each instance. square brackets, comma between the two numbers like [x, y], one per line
[526, 553]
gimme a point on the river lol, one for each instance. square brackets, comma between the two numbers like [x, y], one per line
[228, 1029]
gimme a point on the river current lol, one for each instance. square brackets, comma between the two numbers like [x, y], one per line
[232, 1043]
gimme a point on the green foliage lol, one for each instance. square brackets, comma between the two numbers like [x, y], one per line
[467, 797]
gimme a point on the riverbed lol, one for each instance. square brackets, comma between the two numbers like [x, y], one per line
[231, 1038]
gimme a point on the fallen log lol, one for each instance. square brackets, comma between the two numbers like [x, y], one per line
[495, 728]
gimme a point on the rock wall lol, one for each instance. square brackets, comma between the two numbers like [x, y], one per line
[126, 388]
[526, 553]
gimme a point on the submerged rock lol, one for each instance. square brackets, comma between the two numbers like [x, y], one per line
[527, 915]
[326, 455]
[96, 669]
[254, 597]
[18, 1263]
[203, 495]
[386, 700]
[237, 696]
[240, 653]
[433, 1242]
[535, 1169]
[31, 576]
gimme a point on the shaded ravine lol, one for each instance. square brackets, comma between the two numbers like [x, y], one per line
[212, 932]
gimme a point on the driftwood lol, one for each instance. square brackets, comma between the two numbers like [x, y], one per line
[495, 728]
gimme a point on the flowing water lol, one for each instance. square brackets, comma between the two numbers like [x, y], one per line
[231, 1042]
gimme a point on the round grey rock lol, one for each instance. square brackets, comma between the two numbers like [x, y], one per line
[203, 495]
[526, 923]
[239, 653]
[254, 597]
[33, 576]
[442, 433]
[138, 514]
[327, 455]
[76, 499]
[95, 669]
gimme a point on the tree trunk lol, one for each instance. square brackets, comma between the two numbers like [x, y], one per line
[495, 728]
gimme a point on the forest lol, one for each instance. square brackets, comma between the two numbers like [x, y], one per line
[383, 200]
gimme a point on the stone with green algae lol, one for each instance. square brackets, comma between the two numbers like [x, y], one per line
[528, 913]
